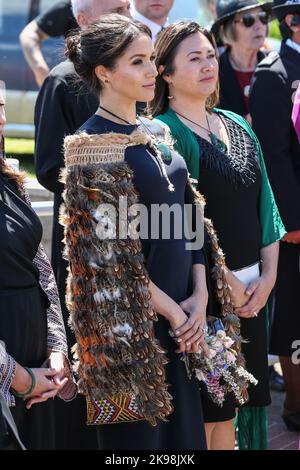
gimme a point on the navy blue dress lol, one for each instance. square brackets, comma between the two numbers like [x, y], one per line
[169, 265]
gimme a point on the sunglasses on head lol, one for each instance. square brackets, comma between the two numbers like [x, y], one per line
[249, 19]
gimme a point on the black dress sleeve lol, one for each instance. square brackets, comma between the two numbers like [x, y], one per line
[7, 373]
[273, 111]
[57, 20]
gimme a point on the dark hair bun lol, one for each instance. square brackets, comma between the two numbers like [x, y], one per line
[73, 47]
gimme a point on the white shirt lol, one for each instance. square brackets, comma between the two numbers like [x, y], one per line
[154, 27]
[293, 45]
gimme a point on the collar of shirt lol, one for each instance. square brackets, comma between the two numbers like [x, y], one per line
[293, 45]
[154, 27]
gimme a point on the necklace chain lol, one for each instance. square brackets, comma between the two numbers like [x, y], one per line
[127, 122]
[115, 115]
[196, 124]
[213, 138]
[158, 147]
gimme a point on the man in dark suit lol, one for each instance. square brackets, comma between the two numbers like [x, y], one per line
[63, 105]
[271, 102]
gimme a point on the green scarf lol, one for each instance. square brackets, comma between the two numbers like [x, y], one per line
[252, 422]
[186, 144]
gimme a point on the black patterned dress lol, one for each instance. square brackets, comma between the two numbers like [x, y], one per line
[230, 183]
[30, 316]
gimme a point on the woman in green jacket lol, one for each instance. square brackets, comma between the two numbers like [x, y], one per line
[224, 156]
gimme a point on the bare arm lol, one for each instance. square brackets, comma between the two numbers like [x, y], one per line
[30, 40]
[193, 332]
[167, 307]
[199, 281]
[269, 256]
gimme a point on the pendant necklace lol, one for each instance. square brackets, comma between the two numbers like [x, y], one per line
[162, 151]
[161, 146]
[116, 116]
[215, 141]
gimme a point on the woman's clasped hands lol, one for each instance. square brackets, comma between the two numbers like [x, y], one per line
[189, 324]
[49, 381]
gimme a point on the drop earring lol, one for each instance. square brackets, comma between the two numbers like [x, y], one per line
[170, 97]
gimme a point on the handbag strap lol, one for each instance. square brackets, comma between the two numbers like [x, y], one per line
[10, 420]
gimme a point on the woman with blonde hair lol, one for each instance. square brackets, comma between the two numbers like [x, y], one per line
[242, 26]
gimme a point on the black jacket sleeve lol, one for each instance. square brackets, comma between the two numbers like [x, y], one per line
[52, 124]
[62, 106]
[270, 105]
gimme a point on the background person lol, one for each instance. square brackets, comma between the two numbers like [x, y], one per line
[57, 20]
[242, 25]
[296, 112]
[153, 13]
[271, 103]
[31, 324]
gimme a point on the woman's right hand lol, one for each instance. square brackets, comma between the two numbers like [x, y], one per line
[45, 387]
[44, 381]
[179, 320]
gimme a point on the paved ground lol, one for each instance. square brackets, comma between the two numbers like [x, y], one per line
[279, 437]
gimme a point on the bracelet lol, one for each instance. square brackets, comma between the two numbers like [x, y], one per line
[31, 388]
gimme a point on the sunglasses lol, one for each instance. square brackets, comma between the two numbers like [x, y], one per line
[295, 21]
[249, 20]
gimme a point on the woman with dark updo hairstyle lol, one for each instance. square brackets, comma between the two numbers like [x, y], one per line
[129, 368]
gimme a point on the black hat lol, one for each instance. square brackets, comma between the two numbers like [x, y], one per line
[281, 8]
[228, 8]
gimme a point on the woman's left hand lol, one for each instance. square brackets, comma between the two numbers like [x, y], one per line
[258, 291]
[193, 331]
[56, 360]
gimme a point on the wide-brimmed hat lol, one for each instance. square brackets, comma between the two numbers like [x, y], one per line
[228, 8]
[281, 8]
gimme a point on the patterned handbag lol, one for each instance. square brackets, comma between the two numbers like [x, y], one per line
[118, 409]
